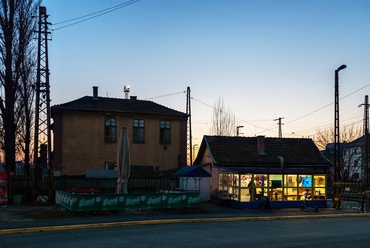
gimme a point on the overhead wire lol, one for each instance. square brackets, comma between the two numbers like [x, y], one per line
[327, 126]
[227, 113]
[171, 94]
[94, 15]
[327, 105]
[269, 128]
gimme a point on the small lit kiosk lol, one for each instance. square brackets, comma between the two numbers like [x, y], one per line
[190, 180]
[244, 169]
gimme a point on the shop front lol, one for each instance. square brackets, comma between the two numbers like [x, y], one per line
[244, 190]
[248, 171]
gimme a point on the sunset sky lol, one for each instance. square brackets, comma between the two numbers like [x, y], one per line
[265, 59]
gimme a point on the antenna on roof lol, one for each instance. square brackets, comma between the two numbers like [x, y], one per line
[126, 89]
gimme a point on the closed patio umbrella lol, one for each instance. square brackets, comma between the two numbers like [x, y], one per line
[123, 162]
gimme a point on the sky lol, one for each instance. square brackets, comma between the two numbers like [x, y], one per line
[265, 59]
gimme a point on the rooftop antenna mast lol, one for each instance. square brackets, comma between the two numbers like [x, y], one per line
[189, 137]
[43, 167]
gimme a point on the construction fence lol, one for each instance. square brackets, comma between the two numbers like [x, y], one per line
[349, 196]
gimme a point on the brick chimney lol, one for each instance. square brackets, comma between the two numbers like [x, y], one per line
[261, 145]
[95, 93]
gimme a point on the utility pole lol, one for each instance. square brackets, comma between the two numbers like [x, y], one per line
[280, 124]
[189, 135]
[365, 145]
[43, 167]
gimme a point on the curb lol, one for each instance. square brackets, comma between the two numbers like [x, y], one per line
[152, 222]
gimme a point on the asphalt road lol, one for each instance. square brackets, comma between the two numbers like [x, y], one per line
[322, 232]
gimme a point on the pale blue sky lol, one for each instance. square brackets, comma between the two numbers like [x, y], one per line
[265, 58]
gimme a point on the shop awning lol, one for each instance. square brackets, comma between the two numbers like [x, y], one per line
[191, 171]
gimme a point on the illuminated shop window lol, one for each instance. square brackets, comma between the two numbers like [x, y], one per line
[260, 180]
[305, 187]
[290, 190]
[320, 187]
[251, 187]
[275, 187]
[246, 190]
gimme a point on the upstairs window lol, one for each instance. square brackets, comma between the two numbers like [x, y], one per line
[139, 126]
[110, 166]
[110, 130]
[165, 132]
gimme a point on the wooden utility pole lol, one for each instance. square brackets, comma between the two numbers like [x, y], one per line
[189, 135]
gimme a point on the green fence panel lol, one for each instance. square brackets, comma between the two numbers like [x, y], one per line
[95, 202]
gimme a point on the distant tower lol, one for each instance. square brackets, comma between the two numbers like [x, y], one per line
[365, 145]
[43, 166]
[279, 123]
[189, 137]
[126, 89]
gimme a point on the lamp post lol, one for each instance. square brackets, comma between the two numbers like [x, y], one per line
[337, 161]
[237, 130]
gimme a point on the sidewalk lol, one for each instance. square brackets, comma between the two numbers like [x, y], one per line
[46, 216]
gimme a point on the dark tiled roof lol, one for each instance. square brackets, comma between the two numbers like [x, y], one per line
[192, 171]
[89, 103]
[357, 142]
[242, 151]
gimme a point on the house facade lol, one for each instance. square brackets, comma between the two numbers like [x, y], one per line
[355, 161]
[86, 133]
[245, 170]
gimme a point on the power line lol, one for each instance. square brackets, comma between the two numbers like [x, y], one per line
[269, 128]
[171, 94]
[327, 126]
[212, 107]
[95, 14]
[327, 105]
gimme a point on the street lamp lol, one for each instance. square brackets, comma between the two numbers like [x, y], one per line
[337, 162]
[237, 130]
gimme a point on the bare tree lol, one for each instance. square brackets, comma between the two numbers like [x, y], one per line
[27, 82]
[347, 134]
[17, 26]
[26, 114]
[223, 120]
[350, 159]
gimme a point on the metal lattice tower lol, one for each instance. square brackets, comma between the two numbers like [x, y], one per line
[365, 150]
[189, 137]
[280, 124]
[42, 141]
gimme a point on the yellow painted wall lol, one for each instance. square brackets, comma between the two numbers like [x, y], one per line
[82, 146]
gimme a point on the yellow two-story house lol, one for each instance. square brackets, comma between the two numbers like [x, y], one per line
[86, 133]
